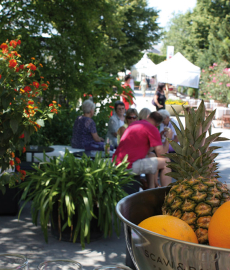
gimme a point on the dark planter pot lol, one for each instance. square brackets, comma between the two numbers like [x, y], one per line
[9, 202]
[95, 232]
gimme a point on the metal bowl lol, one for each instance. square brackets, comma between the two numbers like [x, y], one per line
[153, 251]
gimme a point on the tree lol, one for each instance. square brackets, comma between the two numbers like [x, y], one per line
[78, 37]
[204, 33]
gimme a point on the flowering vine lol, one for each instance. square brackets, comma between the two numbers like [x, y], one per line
[21, 87]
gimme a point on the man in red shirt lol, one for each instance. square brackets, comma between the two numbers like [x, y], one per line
[138, 141]
[129, 94]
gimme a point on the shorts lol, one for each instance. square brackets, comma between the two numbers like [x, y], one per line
[145, 165]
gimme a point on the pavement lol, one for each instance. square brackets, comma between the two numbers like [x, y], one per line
[21, 236]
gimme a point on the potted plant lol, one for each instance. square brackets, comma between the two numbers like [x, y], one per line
[176, 104]
[72, 192]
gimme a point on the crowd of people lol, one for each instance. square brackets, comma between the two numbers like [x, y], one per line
[142, 136]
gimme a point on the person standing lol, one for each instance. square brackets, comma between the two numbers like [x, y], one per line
[159, 97]
[143, 86]
[152, 82]
[127, 97]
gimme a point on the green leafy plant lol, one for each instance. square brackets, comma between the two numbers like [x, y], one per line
[77, 186]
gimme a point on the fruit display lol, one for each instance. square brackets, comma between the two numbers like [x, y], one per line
[169, 226]
[197, 193]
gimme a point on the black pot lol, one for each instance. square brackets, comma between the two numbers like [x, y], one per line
[9, 201]
[67, 235]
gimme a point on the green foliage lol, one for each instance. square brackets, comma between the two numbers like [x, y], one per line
[81, 36]
[136, 83]
[214, 83]
[156, 58]
[58, 131]
[21, 86]
[202, 35]
[77, 185]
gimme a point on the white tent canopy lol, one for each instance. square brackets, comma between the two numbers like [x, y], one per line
[145, 67]
[178, 71]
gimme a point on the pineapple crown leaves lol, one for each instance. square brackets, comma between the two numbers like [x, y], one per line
[194, 154]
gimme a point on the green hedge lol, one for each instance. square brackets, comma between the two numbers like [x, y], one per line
[156, 58]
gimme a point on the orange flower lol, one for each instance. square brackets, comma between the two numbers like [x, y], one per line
[40, 65]
[12, 155]
[32, 58]
[27, 89]
[44, 86]
[31, 66]
[31, 102]
[48, 82]
[18, 160]
[36, 84]
[59, 105]
[4, 51]
[54, 101]
[12, 63]
[30, 107]
[22, 91]
[4, 46]
[13, 43]
[11, 162]
[14, 52]
[42, 77]
[18, 168]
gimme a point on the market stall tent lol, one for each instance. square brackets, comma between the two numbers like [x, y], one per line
[178, 71]
[145, 67]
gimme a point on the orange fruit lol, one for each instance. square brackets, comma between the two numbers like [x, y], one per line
[170, 226]
[219, 227]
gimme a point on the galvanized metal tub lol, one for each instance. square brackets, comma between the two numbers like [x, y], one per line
[153, 251]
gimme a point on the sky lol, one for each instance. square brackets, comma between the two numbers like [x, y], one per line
[167, 7]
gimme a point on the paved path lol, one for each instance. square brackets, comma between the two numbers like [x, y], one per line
[21, 236]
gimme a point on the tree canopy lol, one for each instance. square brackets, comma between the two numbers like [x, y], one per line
[73, 39]
[203, 35]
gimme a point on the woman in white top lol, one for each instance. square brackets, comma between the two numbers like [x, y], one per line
[143, 86]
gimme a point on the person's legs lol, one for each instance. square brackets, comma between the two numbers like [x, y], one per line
[165, 180]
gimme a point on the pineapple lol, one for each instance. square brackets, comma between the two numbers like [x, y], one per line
[197, 193]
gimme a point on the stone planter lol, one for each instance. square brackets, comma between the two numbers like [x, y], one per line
[178, 108]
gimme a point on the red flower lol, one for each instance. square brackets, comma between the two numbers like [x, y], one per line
[51, 104]
[17, 69]
[31, 102]
[18, 168]
[21, 66]
[19, 42]
[22, 136]
[44, 86]
[18, 160]
[12, 63]
[13, 43]
[0, 76]
[31, 66]
[4, 46]
[36, 84]
[27, 89]
[11, 162]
